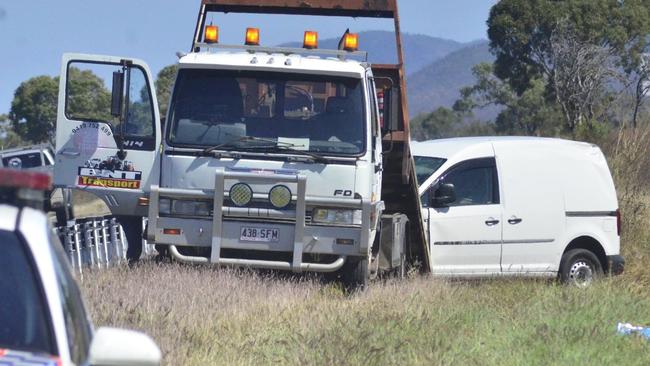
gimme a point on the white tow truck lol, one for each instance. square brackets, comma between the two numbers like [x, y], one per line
[281, 158]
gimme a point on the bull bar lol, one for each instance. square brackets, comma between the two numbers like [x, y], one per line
[370, 213]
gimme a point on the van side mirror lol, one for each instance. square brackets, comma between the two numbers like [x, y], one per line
[391, 109]
[444, 195]
[117, 95]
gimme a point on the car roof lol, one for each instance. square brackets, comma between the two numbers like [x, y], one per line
[26, 149]
[447, 148]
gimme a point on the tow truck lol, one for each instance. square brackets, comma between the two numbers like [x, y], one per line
[294, 159]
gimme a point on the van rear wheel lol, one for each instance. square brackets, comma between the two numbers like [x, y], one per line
[580, 267]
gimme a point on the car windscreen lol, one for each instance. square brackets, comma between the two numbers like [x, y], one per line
[235, 110]
[23, 161]
[425, 166]
[23, 311]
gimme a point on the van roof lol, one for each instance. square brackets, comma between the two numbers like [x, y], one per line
[446, 148]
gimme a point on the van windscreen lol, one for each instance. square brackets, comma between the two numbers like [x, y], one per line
[425, 166]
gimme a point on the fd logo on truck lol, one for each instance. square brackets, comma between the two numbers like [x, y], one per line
[110, 173]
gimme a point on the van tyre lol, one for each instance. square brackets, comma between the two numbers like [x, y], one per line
[355, 274]
[132, 226]
[580, 267]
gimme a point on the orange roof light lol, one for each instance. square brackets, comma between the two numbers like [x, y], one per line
[252, 36]
[211, 34]
[351, 42]
[311, 40]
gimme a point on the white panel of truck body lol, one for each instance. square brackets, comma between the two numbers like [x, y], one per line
[532, 197]
[83, 144]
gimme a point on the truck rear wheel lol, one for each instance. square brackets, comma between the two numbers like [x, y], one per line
[355, 274]
[580, 267]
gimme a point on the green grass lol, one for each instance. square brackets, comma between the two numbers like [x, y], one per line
[201, 315]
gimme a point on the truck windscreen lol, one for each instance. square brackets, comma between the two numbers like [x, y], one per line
[232, 109]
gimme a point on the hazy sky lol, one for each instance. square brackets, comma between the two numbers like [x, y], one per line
[34, 33]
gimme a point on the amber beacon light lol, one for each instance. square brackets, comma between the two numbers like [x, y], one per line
[351, 42]
[252, 36]
[212, 34]
[311, 40]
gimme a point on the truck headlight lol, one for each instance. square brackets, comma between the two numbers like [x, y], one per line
[241, 194]
[190, 208]
[280, 196]
[165, 206]
[336, 216]
[168, 206]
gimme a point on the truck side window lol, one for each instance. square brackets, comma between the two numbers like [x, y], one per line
[475, 181]
[88, 97]
[139, 120]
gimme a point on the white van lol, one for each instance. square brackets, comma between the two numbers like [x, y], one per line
[519, 206]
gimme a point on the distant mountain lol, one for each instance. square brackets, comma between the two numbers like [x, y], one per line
[438, 84]
[436, 68]
[419, 50]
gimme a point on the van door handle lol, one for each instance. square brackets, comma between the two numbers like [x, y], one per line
[69, 152]
[491, 222]
[514, 220]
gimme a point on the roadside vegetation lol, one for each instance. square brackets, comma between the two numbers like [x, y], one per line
[200, 315]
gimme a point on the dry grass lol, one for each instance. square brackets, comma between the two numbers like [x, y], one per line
[200, 315]
[205, 316]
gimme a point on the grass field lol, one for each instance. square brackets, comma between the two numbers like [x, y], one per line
[200, 315]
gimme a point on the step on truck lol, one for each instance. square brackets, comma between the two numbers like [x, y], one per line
[294, 159]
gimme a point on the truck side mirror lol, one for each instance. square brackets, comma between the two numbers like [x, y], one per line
[444, 195]
[391, 109]
[118, 93]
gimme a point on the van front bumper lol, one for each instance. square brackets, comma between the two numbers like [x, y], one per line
[615, 264]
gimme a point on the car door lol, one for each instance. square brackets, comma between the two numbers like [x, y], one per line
[533, 204]
[108, 130]
[465, 235]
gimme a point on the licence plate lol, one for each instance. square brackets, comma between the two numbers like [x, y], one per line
[258, 234]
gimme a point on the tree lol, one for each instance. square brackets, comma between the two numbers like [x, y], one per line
[642, 87]
[525, 114]
[521, 32]
[33, 109]
[437, 124]
[8, 138]
[164, 83]
[575, 46]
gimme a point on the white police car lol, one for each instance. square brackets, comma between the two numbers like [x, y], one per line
[42, 317]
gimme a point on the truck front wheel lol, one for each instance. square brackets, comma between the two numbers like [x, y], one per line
[132, 226]
[355, 274]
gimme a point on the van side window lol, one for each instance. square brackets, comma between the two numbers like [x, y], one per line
[475, 181]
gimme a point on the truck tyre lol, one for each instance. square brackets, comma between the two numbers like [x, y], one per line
[355, 274]
[132, 226]
[579, 267]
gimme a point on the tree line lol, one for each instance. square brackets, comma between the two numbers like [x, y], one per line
[569, 68]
